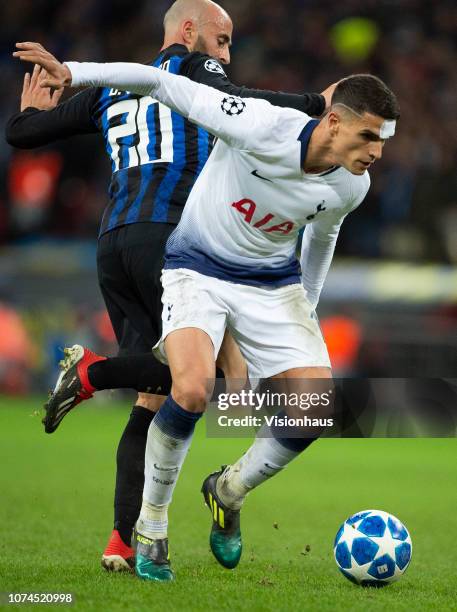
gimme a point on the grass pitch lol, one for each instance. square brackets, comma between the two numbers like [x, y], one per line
[56, 513]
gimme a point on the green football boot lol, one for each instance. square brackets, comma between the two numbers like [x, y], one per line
[152, 561]
[225, 537]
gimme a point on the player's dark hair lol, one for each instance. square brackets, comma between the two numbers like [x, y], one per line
[365, 93]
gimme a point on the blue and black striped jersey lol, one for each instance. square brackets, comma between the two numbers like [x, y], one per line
[156, 154]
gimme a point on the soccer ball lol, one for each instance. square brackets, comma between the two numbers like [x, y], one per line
[372, 548]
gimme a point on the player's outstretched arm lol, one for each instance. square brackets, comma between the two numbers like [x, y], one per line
[41, 119]
[230, 119]
[33, 128]
[58, 75]
[208, 71]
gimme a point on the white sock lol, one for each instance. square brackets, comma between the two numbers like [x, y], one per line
[153, 521]
[265, 458]
[165, 455]
[230, 489]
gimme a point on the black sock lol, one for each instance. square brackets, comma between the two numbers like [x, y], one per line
[140, 372]
[128, 495]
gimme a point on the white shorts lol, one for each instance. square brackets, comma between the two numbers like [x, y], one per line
[276, 329]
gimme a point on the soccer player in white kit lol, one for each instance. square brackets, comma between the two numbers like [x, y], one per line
[231, 263]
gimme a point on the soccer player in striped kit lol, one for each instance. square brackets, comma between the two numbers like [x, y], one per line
[231, 264]
[156, 157]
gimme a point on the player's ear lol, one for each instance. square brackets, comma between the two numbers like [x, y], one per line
[334, 121]
[189, 32]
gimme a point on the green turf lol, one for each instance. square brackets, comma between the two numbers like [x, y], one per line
[56, 508]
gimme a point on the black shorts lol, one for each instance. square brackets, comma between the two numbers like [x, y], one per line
[129, 263]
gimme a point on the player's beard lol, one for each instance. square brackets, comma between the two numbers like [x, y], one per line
[201, 46]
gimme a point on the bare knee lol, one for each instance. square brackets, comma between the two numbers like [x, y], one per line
[190, 354]
[192, 395]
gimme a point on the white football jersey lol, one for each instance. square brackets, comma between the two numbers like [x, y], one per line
[242, 219]
[243, 216]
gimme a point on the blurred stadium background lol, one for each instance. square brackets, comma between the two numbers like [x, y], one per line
[390, 303]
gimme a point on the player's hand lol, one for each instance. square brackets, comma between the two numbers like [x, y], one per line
[35, 96]
[328, 94]
[58, 75]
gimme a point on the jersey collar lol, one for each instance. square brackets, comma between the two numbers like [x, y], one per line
[176, 48]
[304, 139]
